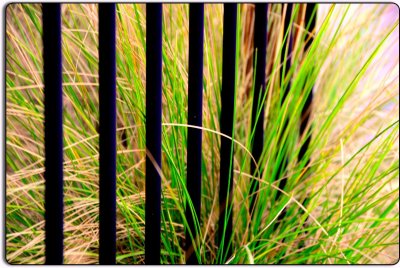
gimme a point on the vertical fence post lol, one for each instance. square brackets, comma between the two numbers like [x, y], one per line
[153, 132]
[53, 133]
[310, 24]
[257, 115]
[226, 122]
[107, 133]
[287, 50]
[310, 21]
[306, 110]
[194, 141]
[286, 56]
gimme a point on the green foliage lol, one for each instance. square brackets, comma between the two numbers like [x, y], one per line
[340, 208]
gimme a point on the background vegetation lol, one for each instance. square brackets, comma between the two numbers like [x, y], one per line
[352, 212]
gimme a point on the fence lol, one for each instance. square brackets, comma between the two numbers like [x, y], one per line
[52, 57]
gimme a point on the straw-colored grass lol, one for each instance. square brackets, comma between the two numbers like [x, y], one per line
[344, 209]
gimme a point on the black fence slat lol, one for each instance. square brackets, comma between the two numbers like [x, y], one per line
[107, 133]
[306, 110]
[194, 141]
[53, 128]
[153, 132]
[259, 58]
[286, 59]
[310, 21]
[226, 122]
[287, 50]
[310, 24]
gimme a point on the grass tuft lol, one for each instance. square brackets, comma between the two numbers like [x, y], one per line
[339, 208]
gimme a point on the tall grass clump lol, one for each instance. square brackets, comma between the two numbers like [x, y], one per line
[341, 207]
